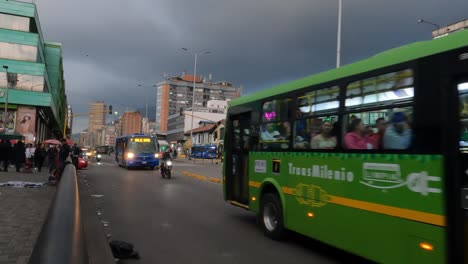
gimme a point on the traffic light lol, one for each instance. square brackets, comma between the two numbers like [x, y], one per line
[110, 109]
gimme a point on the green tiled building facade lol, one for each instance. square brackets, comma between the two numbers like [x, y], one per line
[37, 104]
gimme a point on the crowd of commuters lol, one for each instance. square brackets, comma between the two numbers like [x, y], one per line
[395, 133]
[19, 154]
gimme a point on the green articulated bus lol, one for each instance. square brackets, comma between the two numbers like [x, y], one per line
[371, 157]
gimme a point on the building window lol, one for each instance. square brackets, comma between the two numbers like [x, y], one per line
[24, 82]
[18, 52]
[14, 22]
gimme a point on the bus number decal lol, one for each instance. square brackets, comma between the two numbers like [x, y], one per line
[260, 166]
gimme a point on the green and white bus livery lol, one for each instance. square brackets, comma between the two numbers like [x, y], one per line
[371, 158]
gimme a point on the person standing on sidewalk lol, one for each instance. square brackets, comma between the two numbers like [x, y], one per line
[20, 154]
[76, 152]
[29, 153]
[39, 155]
[5, 148]
[52, 157]
[63, 154]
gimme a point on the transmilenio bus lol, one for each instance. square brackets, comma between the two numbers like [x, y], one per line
[137, 151]
[370, 157]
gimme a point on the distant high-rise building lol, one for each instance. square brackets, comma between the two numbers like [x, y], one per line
[174, 95]
[69, 125]
[131, 123]
[97, 116]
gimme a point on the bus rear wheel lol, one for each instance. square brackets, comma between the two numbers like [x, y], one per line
[271, 216]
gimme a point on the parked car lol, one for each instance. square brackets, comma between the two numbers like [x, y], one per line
[82, 163]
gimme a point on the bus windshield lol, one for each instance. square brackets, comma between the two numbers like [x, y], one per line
[142, 145]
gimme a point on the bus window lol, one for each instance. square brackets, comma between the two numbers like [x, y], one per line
[275, 135]
[276, 110]
[379, 129]
[316, 133]
[382, 89]
[463, 90]
[319, 101]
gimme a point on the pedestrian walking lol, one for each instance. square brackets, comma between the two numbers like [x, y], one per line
[20, 154]
[39, 156]
[5, 148]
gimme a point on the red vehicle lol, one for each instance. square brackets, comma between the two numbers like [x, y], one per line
[82, 163]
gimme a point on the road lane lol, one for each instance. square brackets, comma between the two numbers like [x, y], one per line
[184, 220]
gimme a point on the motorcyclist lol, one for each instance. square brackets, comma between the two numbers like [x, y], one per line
[166, 156]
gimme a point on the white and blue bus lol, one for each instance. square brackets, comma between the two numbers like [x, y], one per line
[137, 150]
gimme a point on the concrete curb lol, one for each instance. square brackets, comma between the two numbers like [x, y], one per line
[97, 245]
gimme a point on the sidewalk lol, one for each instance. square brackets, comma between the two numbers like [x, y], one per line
[22, 213]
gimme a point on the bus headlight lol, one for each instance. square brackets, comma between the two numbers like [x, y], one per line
[130, 155]
[156, 155]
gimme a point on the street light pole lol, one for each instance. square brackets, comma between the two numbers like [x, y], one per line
[5, 114]
[193, 102]
[338, 44]
[193, 93]
[428, 22]
[146, 104]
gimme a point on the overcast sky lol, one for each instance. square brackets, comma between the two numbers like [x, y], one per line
[111, 46]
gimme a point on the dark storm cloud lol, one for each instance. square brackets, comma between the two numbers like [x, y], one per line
[112, 46]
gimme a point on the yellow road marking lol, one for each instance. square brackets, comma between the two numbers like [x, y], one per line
[201, 177]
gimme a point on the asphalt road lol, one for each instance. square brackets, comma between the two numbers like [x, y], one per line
[184, 220]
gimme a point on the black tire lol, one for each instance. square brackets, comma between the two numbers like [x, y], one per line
[271, 216]
[168, 174]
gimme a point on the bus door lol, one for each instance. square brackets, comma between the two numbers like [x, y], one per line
[462, 87]
[237, 174]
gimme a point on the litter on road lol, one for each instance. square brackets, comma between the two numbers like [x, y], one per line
[22, 184]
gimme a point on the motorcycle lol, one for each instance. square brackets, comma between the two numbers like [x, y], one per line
[98, 157]
[166, 169]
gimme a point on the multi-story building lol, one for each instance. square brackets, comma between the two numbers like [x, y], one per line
[110, 135]
[97, 116]
[145, 125]
[31, 76]
[174, 95]
[84, 139]
[130, 123]
[182, 122]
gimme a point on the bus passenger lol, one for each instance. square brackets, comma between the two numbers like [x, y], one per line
[270, 133]
[324, 140]
[356, 137]
[378, 137]
[398, 134]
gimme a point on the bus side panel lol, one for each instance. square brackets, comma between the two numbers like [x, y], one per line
[374, 236]
[375, 205]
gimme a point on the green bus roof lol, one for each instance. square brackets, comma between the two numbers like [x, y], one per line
[390, 57]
